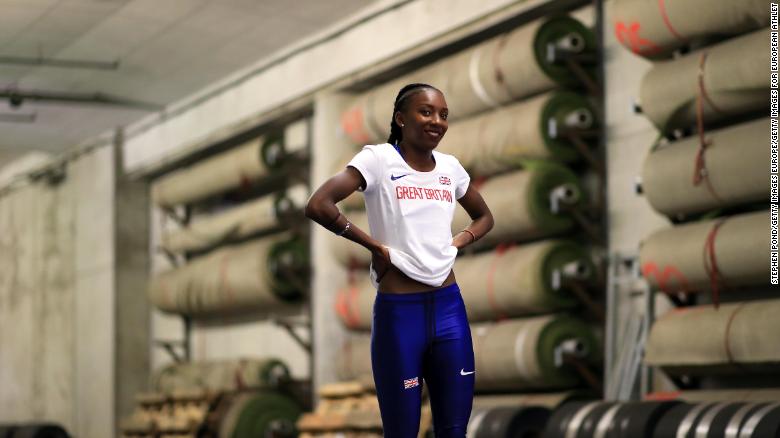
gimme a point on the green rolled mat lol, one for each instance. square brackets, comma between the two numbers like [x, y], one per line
[240, 222]
[260, 414]
[354, 360]
[355, 303]
[704, 340]
[655, 29]
[521, 203]
[519, 281]
[536, 128]
[519, 354]
[221, 173]
[734, 79]
[731, 160]
[347, 252]
[235, 279]
[733, 251]
[221, 375]
[500, 70]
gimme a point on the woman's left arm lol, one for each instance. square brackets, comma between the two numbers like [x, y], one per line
[481, 219]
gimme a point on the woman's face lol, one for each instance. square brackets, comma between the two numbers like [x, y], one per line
[424, 120]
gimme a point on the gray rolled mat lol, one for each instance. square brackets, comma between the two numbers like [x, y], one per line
[731, 339]
[520, 353]
[680, 259]
[236, 223]
[535, 128]
[598, 419]
[731, 160]
[734, 80]
[519, 280]
[354, 360]
[522, 205]
[505, 68]
[347, 252]
[212, 176]
[654, 29]
[507, 422]
[234, 279]
[260, 414]
[577, 419]
[223, 375]
[355, 303]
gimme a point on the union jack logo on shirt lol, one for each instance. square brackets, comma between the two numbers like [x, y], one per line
[411, 383]
[444, 180]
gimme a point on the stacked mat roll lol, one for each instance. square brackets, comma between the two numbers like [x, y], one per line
[536, 128]
[523, 203]
[355, 303]
[520, 354]
[347, 252]
[32, 430]
[731, 252]
[224, 375]
[729, 76]
[221, 173]
[237, 223]
[505, 68]
[260, 414]
[507, 422]
[703, 340]
[725, 419]
[519, 281]
[259, 274]
[731, 158]
[655, 29]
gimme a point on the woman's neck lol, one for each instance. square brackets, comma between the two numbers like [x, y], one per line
[417, 158]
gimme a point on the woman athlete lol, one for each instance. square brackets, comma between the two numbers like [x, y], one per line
[419, 330]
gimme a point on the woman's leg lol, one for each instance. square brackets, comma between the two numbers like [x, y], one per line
[397, 346]
[449, 368]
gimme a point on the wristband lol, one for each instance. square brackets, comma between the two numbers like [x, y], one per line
[473, 237]
[346, 228]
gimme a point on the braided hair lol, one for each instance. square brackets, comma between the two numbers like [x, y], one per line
[400, 103]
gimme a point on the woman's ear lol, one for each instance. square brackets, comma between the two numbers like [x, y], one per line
[399, 120]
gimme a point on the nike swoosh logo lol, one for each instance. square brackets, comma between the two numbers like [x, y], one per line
[393, 177]
[463, 373]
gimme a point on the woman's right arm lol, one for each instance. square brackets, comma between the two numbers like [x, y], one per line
[322, 209]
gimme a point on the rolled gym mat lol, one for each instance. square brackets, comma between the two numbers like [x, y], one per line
[764, 422]
[704, 340]
[528, 204]
[221, 375]
[235, 279]
[729, 76]
[632, 419]
[577, 419]
[729, 171]
[355, 303]
[734, 395]
[537, 128]
[507, 422]
[655, 29]
[520, 280]
[680, 421]
[32, 430]
[260, 414]
[505, 68]
[236, 223]
[715, 420]
[229, 170]
[354, 362]
[347, 252]
[524, 353]
[730, 251]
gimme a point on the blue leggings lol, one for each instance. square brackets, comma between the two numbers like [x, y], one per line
[416, 337]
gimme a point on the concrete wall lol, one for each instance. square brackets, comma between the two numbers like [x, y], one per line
[56, 299]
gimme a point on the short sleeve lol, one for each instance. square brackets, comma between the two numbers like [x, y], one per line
[462, 180]
[367, 163]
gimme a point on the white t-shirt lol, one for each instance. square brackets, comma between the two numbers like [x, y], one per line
[410, 211]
